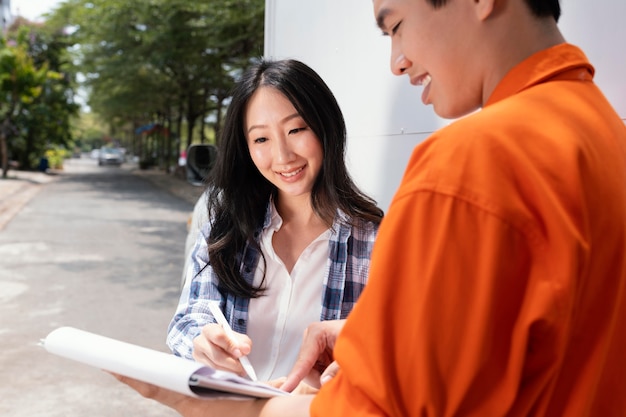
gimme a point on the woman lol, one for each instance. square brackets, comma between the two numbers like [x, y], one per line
[289, 234]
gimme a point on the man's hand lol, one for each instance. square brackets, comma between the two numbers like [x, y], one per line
[329, 373]
[293, 406]
[166, 397]
[316, 354]
[194, 407]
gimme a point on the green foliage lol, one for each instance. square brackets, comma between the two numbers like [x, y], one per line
[56, 156]
[89, 131]
[36, 83]
[170, 62]
[144, 62]
[20, 85]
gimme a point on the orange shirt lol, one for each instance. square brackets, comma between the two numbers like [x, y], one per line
[498, 278]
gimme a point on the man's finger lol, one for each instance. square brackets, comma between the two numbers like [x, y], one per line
[303, 366]
[329, 373]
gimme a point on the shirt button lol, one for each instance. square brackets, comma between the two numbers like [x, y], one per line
[241, 322]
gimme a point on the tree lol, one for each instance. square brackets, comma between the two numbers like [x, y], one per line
[20, 84]
[167, 62]
[41, 120]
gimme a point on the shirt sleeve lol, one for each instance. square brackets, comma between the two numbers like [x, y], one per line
[442, 326]
[193, 311]
[198, 218]
[350, 251]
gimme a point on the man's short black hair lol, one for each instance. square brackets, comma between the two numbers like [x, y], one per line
[540, 8]
[545, 8]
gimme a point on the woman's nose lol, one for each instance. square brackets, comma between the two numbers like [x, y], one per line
[282, 151]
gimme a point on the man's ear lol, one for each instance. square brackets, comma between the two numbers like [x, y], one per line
[484, 8]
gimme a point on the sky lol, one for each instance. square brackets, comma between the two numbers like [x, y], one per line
[32, 9]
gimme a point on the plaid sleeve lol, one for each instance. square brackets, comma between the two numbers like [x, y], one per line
[350, 249]
[193, 312]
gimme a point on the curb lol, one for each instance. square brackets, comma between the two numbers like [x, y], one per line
[19, 189]
[175, 185]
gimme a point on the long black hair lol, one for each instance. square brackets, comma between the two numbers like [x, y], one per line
[238, 194]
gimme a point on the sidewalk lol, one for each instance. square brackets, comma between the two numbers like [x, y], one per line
[178, 186]
[21, 186]
[17, 190]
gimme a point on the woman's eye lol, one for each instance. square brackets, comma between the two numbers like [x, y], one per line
[259, 140]
[299, 129]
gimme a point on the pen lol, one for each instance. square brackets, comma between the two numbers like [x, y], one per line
[221, 320]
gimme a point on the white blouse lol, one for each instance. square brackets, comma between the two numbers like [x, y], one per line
[277, 320]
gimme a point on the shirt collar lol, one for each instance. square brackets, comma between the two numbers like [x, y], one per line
[564, 61]
[340, 229]
[275, 221]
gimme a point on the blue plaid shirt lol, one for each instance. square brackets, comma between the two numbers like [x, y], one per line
[346, 274]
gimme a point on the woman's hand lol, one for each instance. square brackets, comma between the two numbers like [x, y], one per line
[213, 347]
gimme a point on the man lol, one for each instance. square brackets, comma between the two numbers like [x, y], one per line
[498, 280]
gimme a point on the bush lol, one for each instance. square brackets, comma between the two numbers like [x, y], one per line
[56, 156]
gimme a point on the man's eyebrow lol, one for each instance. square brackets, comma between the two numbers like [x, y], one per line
[380, 18]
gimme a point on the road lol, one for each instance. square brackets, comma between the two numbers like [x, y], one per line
[99, 249]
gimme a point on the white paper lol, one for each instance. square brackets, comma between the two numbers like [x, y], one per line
[158, 368]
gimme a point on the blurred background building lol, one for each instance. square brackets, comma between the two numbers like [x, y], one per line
[5, 14]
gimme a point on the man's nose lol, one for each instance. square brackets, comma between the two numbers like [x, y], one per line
[399, 63]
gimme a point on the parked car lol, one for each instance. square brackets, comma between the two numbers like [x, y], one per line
[110, 156]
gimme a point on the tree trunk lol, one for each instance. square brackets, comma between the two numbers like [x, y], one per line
[4, 152]
[203, 113]
[30, 149]
[167, 131]
[179, 123]
[191, 116]
[218, 119]
[191, 121]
